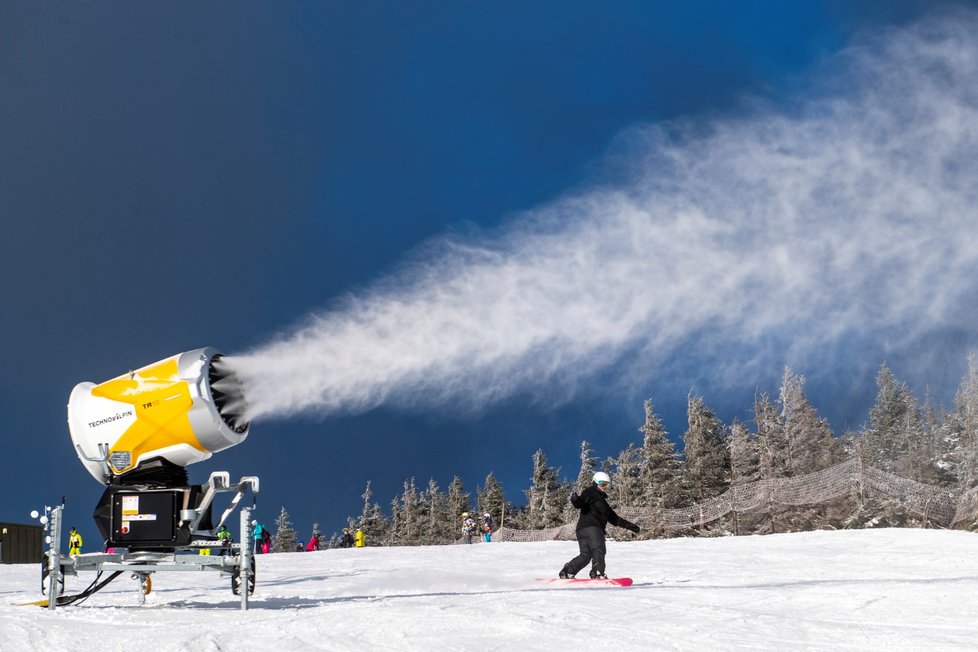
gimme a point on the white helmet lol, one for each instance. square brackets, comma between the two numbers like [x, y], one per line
[486, 514]
[465, 514]
[601, 476]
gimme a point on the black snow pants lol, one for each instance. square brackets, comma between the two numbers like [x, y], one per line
[591, 542]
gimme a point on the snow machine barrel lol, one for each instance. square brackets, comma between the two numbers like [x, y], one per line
[146, 425]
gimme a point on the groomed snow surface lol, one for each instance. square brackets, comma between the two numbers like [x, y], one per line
[866, 590]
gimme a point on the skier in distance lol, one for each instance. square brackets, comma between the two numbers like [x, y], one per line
[596, 513]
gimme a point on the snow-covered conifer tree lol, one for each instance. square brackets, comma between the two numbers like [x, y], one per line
[706, 466]
[586, 471]
[372, 522]
[491, 499]
[772, 444]
[585, 475]
[942, 441]
[546, 497]
[408, 525]
[437, 526]
[885, 444]
[809, 437]
[744, 458]
[459, 501]
[627, 486]
[660, 463]
[965, 426]
[744, 469]
[393, 535]
[285, 539]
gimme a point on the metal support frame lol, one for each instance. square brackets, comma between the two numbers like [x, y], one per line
[142, 564]
[245, 556]
[102, 459]
[218, 483]
[54, 554]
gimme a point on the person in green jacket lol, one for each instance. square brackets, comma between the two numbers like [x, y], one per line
[224, 537]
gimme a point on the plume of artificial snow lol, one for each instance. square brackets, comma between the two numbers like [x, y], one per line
[847, 210]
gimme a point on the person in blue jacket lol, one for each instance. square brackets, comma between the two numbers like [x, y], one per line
[596, 513]
[487, 527]
[258, 533]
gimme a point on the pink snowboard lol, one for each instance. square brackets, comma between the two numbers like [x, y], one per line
[611, 581]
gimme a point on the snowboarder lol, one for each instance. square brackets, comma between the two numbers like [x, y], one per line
[468, 528]
[487, 527]
[259, 534]
[346, 541]
[596, 513]
[74, 542]
[358, 540]
[266, 541]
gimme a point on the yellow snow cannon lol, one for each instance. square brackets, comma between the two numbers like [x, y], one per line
[151, 422]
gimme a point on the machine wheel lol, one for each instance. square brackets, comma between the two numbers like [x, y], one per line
[44, 578]
[236, 579]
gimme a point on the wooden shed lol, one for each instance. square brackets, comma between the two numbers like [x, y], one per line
[20, 543]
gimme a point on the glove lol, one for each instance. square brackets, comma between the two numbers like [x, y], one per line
[574, 496]
[634, 528]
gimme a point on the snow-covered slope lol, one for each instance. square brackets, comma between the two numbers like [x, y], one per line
[871, 589]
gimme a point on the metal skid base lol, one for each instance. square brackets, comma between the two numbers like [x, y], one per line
[238, 562]
[142, 565]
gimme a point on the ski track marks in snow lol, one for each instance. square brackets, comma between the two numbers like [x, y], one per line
[848, 590]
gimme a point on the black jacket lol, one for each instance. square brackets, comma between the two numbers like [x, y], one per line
[596, 512]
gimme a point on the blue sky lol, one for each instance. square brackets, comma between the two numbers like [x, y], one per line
[178, 175]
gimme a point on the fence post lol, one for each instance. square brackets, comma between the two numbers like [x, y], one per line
[733, 508]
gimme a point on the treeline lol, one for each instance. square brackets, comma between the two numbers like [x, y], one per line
[786, 438]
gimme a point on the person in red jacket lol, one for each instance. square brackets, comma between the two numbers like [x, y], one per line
[596, 513]
[313, 542]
